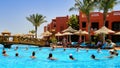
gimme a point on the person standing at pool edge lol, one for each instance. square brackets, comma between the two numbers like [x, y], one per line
[64, 41]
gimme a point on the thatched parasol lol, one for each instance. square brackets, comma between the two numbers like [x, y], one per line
[80, 32]
[69, 32]
[118, 33]
[6, 32]
[58, 34]
[47, 33]
[69, 29]
[104, 30]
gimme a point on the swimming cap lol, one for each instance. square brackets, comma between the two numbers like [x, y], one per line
[70, 54]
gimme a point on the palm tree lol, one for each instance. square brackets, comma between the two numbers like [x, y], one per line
[107, 5]
[85, 6]
[36, 20]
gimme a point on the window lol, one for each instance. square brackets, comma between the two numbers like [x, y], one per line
[54, 25]
[94, 25]
[116, 26]
[106, 24]
[83, 24]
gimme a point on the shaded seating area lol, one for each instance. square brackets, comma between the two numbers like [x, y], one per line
[74, 44]
[59, 43]
[90, 45]
[105, 46]
[117, 43]
[108, 46]
[83, 44]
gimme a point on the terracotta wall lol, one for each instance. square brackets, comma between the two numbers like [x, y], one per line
[60, 23]
[114, 17]
[94, 17]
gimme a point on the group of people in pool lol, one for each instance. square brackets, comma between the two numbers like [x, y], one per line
[50, 56]
[112, 53]
[5, 54]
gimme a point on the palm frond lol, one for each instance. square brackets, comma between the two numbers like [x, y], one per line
[36, 20]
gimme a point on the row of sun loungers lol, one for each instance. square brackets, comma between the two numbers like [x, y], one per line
[84, 45]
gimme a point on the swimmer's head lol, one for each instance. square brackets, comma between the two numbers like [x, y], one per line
[16, 54]
[71, 57]
[93, 56]
[50, 55]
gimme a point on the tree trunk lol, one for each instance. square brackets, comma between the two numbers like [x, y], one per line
[104, 22]
[35, 31]
[104, 18]
[88, 18]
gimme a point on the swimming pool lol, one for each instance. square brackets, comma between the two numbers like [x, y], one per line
[83, 59]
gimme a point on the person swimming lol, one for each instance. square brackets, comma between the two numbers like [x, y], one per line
[93, 57]
[4, 53]
[77, 49]
[40, 48]
[71, 57]
[26, 48]
[113, 54]
[51, 57]
[33, 55]
[16, 54]
[53, 48]
[16, 48]
[99, 50]
[86, 49]
[64, 49]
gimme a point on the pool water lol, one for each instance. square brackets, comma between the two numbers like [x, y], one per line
[83, 59]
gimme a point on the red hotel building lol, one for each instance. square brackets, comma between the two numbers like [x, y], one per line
[59, 24]
[96, 20]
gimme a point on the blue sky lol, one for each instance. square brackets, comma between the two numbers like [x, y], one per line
[13, 13]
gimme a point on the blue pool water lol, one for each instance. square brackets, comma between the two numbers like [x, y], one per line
[83, 59]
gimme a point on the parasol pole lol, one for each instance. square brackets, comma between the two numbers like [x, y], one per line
[67, 38]
[103, 37]
[58, 38]
[84, 38]
[70, 38]
[80, 37]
